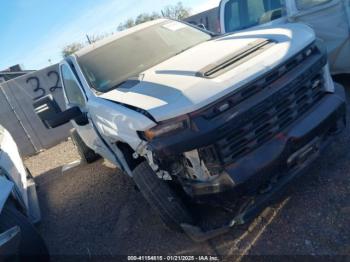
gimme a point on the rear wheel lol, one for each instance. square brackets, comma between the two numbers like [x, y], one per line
[87, 155]
[162, 197]
[32, 246]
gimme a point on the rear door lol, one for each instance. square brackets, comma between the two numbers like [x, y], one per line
[236, 15]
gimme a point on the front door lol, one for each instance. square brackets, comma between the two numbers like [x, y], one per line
[75, 96]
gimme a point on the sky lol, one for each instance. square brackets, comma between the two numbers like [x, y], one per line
[34, 32]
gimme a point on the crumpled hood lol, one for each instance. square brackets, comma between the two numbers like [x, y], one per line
[174, 88]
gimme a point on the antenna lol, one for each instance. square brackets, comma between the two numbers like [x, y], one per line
[88, 38]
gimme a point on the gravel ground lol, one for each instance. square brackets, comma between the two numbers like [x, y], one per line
[55, 157]
[95, 210]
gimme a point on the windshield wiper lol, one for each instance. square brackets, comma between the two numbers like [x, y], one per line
[130, 82]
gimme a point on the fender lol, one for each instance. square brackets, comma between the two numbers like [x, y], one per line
[119, 156]
[136, 109]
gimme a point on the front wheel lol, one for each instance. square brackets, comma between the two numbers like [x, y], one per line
[86, 154]
[32, 246]
[161, 197]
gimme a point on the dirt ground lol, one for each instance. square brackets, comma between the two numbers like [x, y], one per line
[94, 210]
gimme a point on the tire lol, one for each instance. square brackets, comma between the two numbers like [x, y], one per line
[32, 247]
[161, 197]
[87, 155]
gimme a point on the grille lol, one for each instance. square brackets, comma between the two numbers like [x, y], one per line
[261, 84]
[268, 119]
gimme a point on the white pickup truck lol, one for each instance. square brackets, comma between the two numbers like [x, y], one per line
[190, 116]
[19, 207]
[330, 19]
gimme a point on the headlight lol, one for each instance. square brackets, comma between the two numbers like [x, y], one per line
[167, 127]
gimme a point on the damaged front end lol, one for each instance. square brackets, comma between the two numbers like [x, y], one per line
[254, 141]
[258, 131]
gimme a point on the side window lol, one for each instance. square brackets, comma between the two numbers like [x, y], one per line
[264, 11]
[232, 18]
[255, 10]
[71, 88]
[306, 4]
[241, 14]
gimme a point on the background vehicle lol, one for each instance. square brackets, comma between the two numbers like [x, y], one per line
[19, 207]
[329, 19]
[190, 116]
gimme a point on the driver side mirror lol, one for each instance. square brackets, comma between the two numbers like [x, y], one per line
[52, 116]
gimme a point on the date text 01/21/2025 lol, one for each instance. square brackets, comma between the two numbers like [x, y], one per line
[173, 258]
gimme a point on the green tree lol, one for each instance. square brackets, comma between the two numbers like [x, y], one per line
[178, 11]
[146, 17]
[72, 48]
[141, 18]
[127, 24]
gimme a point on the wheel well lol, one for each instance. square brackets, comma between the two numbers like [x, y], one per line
[128, 155]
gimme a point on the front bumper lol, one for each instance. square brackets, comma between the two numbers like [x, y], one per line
[286, 155]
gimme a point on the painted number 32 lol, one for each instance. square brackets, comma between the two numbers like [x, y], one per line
[35, 83]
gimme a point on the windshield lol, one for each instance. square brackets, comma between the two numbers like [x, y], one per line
[242, 14]
[110, 65]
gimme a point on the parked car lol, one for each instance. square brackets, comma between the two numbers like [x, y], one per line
[190, 116]
[19, 207]
[330, 19]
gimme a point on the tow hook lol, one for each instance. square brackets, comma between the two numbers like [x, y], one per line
[309, 151]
